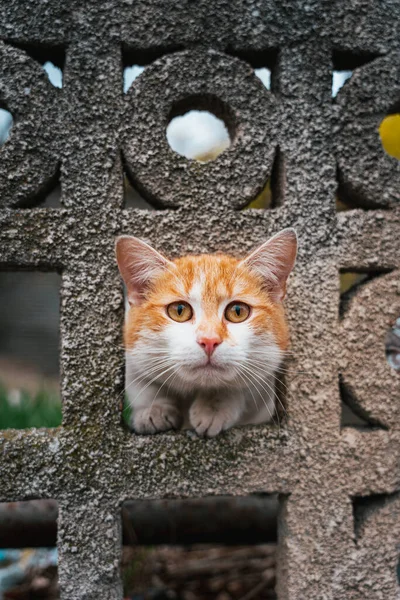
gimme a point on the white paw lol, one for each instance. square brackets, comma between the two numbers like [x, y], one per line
[209, 419]
[156, 418]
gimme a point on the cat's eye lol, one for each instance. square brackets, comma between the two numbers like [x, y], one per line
[180, 311]
[236, 312]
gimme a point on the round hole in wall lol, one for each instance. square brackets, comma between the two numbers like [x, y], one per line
[6, 122]
[200, 128]
[392, 346]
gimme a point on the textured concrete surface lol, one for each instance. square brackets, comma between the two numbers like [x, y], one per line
[340, 512]
[368, 176]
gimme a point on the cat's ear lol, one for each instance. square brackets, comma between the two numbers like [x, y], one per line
[274, 261]
[138, 264]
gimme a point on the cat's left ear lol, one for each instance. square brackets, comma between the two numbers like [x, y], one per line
[139, 265]
[274, 260]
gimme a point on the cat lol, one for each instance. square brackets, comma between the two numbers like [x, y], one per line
[204, 335]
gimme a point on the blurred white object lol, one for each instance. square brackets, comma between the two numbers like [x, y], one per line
[197, 132]
[338, 80]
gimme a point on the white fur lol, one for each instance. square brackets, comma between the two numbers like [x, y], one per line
[171, 382]
[188, 393]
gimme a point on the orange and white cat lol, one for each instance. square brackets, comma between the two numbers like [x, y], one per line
[204, 335]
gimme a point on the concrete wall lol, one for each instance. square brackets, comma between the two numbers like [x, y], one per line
[340, 517]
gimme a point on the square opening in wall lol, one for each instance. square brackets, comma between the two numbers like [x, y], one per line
[184, 374]
[29, 350]
[28, 556]
[216, 547]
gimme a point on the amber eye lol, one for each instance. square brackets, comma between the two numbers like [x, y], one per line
[236, 312]
[180, 311]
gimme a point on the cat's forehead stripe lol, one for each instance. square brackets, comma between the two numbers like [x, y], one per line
[208, 282]
[212, 279]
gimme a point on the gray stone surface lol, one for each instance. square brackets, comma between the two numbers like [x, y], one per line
[368, 176]
[229, 88]
[29, 158]
[92, 464]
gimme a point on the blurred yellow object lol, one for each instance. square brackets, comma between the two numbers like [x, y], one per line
[340, 205]
[350, 279]
[389, 131]
[264, 198]
[212, 153]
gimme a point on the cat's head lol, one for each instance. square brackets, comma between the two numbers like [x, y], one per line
[201, 321]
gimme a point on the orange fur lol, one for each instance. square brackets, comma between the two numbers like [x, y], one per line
[223, 278]
[212, 370]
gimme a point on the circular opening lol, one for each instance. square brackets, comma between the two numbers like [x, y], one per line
[389, 131]
[392, 346]
[6, 122]
[200, 128]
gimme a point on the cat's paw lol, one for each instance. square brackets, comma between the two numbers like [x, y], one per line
[156, 418]
[209, 419]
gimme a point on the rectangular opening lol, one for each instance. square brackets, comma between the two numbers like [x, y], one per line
[28, 556]
[218, 547]
[29, 349]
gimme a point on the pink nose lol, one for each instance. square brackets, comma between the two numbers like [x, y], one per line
[209, 344]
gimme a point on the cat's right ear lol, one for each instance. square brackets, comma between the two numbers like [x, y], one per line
[138, 264]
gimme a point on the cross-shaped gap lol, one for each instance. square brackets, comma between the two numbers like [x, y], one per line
[208, 546]
[29, 348]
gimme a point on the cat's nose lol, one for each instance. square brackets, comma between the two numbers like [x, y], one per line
[209, 344]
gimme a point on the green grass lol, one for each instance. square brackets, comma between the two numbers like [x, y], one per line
[40, 410]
